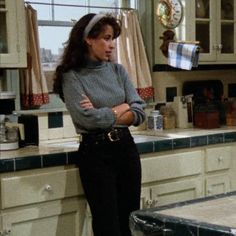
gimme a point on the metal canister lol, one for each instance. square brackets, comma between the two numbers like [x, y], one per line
[155, 120]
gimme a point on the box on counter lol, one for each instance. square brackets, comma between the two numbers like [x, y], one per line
[231, 119]
[207, 119]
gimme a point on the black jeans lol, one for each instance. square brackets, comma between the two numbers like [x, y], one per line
[111, 177]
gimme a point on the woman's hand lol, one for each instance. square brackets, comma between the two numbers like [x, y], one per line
[123, 113]
[86, 103]
[121, 109]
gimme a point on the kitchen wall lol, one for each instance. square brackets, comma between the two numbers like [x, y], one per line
[164, 80]
[56, 125]
[161, 82]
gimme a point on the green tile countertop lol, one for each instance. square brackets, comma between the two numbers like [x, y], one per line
[64, 152]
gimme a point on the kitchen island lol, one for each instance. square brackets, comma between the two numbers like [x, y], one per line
[41, 193]
[213, 215]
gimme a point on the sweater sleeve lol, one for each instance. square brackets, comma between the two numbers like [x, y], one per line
[132, 98]
[89, 119]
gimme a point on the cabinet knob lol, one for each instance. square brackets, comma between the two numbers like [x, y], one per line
[209, 191]
[149, 202]
[48, 188]
[220, 159]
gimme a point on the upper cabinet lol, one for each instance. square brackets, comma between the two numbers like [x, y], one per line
[214, 25]
[12, 34]
[212, 22]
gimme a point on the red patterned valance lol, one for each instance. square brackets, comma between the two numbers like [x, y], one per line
[146, 93]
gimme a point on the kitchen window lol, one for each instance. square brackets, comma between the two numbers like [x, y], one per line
[56, 18]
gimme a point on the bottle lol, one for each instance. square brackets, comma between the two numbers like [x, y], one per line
[155, 121]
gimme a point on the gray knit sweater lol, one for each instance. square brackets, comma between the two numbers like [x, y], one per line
[106, 84]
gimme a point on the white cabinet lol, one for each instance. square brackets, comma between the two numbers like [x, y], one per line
[172, 192]
[212, 22]
[218, 162]
[181, 175]
[214, 25]
[217, 184]
[12, 34]
[169, 178]
[39, 186]
[43, 202]
[218, 158]
[233, 168]
[57, 218]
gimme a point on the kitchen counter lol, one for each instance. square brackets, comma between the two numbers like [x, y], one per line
[63, 152]
[214, 215]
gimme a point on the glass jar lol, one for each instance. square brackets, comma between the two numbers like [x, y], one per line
[168, 117]
[155, 121]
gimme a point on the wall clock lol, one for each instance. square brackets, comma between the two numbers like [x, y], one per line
[170, 13]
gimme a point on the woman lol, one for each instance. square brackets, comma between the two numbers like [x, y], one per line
[103, 103]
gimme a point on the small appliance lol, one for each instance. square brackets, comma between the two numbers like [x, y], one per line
[182, 106]
[8, 134]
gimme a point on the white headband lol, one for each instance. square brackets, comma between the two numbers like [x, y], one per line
[91, 23]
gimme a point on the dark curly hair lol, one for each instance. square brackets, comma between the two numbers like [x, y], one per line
[76, 48]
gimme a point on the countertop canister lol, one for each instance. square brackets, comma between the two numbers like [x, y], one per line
[155, 120]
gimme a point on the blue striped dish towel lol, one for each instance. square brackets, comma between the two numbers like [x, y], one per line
[183, 55]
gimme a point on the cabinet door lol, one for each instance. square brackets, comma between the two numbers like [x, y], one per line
[163, 194]
[226, 30]
[57, 218]
[217, 184]
[12, 34]
[203, 14]
[214, 26]
[145, 200]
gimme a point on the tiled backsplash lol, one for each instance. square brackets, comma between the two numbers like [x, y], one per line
[64, 129]
[56, 126]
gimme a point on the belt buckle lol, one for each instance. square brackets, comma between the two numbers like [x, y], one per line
[113, 136]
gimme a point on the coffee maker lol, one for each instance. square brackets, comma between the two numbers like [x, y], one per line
[8, 134]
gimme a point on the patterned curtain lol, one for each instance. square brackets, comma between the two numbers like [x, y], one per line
[131, 53]
[34, 91]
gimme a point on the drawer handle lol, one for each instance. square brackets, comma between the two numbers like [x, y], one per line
[220, 159]
[48, 188]
[148, 203]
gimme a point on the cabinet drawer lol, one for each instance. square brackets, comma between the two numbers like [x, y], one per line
[33, 188]
[218, 158]
[171, 166]
[167, 193]
[217, 185]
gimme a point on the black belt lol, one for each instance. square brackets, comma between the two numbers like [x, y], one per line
[113, 135]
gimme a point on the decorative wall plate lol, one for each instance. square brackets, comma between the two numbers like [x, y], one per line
[170, 13]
